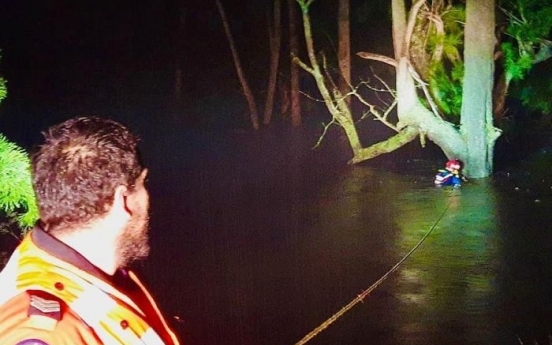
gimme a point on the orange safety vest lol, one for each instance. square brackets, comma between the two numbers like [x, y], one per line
[112, 315]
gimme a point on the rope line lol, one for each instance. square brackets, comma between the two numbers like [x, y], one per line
[366, 292]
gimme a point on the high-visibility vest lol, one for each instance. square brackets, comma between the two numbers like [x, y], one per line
[113, 316]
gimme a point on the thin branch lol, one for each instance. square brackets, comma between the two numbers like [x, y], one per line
[303, 65]
[367, 85]
[377, 114]
[382, 117]
[326, 128]
[389, 88]
[311, 98]
[378, 57]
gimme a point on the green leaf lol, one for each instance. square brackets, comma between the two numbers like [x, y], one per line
[17, 197]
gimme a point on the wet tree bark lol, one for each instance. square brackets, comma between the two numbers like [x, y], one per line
[295, 95]
[253, 114]
[477, 93]
[275, 38]
[344, 47]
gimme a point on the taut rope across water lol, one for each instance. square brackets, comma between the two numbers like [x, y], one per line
[366, 292]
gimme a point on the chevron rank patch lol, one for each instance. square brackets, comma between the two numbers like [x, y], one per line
[44, 305]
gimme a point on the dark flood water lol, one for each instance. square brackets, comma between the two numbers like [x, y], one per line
[258, 240]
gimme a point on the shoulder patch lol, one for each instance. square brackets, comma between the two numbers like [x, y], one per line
[43, 304]
[31, 342]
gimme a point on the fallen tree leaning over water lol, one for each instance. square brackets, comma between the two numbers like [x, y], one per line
[417, 115]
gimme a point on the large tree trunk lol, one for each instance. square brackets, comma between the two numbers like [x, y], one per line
[344, 47]
[275, 38]
[412, 113]
[398, 11]
[253, 114]
[477, 111]
[294, 69]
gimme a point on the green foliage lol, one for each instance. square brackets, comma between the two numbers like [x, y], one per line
[18, 206]
[532, 100]
[535, 91]
[525, 24]
[529, 21]
[445, 74]
[516, 65]
[453, 20]
[17, 198]
[447, 89]
[3, 88]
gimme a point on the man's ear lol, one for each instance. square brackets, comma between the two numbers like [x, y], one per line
[120, 200]
[142, 176]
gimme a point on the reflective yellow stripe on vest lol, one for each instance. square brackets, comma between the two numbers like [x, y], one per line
[112, 315]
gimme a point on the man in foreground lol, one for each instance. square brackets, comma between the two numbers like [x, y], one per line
[68, 281]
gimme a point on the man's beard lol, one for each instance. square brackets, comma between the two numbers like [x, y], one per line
[133, 244]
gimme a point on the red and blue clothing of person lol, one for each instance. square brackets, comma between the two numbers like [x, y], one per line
[450, 176]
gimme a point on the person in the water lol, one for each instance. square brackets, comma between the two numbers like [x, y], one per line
[451, 175]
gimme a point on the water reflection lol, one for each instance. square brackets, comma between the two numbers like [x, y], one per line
[249, 250]
[449, 285]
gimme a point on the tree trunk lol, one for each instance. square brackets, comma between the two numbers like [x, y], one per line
[477, 111]
[398, 11]
[500, 93]
[275, 38]
[344, 47]
[254, 116]
[294, 69]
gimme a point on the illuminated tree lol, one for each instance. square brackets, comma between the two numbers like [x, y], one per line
[418, 114]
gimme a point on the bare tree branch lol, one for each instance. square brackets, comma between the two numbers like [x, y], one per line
[378, 57]
[303, 65]
[326, 128]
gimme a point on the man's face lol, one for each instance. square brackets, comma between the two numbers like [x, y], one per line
[133, 243]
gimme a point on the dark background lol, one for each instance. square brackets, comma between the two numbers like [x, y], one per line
[256, 238]
[118, 59]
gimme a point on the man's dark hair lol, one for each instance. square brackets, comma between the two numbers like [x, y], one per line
[79, 166]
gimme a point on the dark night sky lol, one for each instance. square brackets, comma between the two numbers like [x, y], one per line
[49, 44]
[64, 58]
